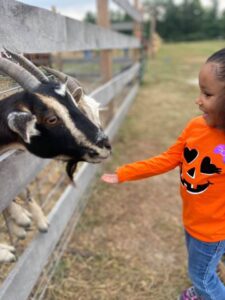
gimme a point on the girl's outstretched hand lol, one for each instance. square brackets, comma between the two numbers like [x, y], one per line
[110, 178]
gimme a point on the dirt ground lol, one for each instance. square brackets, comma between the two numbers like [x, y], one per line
[129, 243]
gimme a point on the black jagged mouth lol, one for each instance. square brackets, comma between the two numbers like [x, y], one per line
[198, 190]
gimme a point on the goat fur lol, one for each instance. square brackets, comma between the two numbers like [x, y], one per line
[7, 253]
[38, 216]
[47, 120]
[19, 214]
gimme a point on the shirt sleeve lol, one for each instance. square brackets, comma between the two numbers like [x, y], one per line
[162, 163]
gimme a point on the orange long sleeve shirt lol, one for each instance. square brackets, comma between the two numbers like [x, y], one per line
[200, 154]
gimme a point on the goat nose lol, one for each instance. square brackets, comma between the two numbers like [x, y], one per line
[104, 142]
[107, 144]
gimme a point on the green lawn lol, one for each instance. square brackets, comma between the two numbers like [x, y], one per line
[129, 244]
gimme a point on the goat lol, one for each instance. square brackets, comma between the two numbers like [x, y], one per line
[20, 215]
[38, 216]
[7, 253]
[86, 104]
[45, 117]
[17, 216]
[16, 230]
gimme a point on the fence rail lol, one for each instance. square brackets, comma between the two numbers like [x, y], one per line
[130, 10]
[42, 31]
[17, 163]
[23, 276]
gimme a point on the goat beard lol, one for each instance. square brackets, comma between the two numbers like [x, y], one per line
[71, 168]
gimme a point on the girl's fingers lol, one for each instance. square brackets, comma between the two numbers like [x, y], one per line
[110, 178]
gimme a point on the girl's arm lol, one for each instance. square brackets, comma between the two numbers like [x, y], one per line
[149, 167]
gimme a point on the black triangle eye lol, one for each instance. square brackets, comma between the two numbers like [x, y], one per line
[190, 155]
[208, 168]
[191, 172]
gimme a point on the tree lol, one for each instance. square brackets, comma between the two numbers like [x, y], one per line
[170, 26]
[212, 22]
[189, 21]
[90, 17]
[152, 7]
[222, 25]
[192, 18]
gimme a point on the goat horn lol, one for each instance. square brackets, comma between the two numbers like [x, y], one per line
[19, 74]
[28, 65]
[72, 83]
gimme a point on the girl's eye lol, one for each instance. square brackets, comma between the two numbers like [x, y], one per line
[52, 120]
[207, 94]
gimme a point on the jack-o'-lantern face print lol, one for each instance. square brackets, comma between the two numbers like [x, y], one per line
[193, 168]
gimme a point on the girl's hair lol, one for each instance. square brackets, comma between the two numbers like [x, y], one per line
[219, 57]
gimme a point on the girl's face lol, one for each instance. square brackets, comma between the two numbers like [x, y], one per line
[212, 92]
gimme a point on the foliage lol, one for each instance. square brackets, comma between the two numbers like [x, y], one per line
[190, 21]
[187, 21]
[90, 17]
[115, 17]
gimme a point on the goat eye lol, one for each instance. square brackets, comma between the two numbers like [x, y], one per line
[51, 120]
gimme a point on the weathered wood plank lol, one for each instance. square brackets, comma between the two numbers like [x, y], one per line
[110, 89]
[37, 30]
[123, 26]
[95, 60]
[113, 127]
[130, 10]
[23, 276]
[20, 168]
[16, 171]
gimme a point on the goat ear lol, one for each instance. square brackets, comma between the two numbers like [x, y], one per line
[77, 94]
[23, 123]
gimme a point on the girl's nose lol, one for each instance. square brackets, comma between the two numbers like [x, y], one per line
[198, 100]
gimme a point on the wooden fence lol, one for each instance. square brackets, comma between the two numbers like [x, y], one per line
[35, 30]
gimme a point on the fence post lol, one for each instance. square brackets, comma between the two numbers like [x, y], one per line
[137, 33]
[65, 34]
[103, 20]
[58, 56]
[153, 30]
[105, 55]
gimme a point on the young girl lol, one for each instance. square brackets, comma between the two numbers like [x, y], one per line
[200, 153]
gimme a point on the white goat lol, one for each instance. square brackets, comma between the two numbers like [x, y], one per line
[19, 219]
[90, 108]
[16, 230]
[19, 214]
[7, 253]
[38, 216]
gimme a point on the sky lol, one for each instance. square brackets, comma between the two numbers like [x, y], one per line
[72, 8]
[77, 8]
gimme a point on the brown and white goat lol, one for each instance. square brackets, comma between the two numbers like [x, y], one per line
[45, 118]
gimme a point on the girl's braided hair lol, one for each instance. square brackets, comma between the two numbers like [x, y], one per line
[219, 58]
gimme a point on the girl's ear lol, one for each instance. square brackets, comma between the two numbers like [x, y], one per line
[23, 123]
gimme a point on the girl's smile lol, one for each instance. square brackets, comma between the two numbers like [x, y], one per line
[212, 91]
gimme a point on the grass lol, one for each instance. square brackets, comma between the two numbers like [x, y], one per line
[129, 243]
